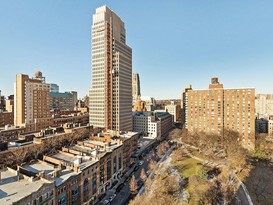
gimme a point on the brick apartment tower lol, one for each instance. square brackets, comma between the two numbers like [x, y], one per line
[217, 109]
[32, 108]
[111, 89]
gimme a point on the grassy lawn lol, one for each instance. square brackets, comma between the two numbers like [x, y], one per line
[187, 167]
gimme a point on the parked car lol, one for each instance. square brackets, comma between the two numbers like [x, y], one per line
[128, 179]
[140, 163]
[120, 187]
[111, 198]
[136, 168]
[131, 165]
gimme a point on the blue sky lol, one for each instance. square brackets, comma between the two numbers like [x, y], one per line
[174, 43]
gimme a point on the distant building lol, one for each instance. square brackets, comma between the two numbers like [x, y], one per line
[217, 109]
[174, 110]
[2, 102]
[261, 125]
[61, 101]
[74, 97]
[32, 102]
[140, 106]
[80, 106]
[184, 98]
[111, 90]
[9, 105]
[54, 88]
[6, 118]
[136, 87]
[80, 118]
[10, 133]
[7, 113]
[166, 122]
[150, 103]
[264, 104]
[154, 125]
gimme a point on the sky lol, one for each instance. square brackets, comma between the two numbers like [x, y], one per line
[174, 43]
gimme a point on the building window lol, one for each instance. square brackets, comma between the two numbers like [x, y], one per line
[119, 162]
[109, 170]
[102, 174]
[94, 183]
[85, 187]
[115, 164]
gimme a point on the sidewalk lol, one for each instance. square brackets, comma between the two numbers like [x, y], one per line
[141, 191]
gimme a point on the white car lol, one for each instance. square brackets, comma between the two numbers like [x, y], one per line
[140, 163]
[111, 198]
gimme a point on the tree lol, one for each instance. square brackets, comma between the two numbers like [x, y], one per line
[213, 195]
[37, 150]
[160, 151]
[143, 175]
[172, 185]
[151, 165]
[175, 134]
[133, 185]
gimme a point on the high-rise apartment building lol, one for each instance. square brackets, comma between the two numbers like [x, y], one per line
[136, 87]
[111, 90]
[32, 107]
[217, 110]
[184, 104]
[264, 104]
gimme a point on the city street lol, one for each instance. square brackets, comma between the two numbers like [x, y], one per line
[122, 191]
[124, 194]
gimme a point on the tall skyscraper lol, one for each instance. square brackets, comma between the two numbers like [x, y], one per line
[111, 89]
[135, 87]
[32, 102]
[217, 110]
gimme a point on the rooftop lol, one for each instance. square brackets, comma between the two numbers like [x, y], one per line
[48, 169]
[12, 190]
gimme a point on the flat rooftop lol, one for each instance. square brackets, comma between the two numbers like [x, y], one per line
[48, 170]
[12, 190]
[129, 134]
[70, 159]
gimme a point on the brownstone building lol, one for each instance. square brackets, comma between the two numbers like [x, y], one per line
[217, 110]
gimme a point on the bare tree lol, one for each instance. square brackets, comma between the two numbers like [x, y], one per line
[151, 165]
[143, 175]
[37, 150]
[212, 195]
[133, 185]
[161, 150]
[172, 185]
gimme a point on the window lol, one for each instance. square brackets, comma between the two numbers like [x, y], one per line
[94, 183]
[109, 170]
